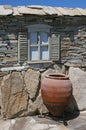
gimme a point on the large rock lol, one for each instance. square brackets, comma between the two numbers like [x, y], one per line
[14, 97]
[39, 103]
[32, 79]
[1, 77]
[20, 94]
[0, 95]
[78, 79]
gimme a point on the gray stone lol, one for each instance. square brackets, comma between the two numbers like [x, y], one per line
[78, 79]
[17, 82]
[35, 107]
[5, 11]
[48, 71]
[35, 123]
[59, 127]
[14, 97]
[17, 68]
[0, 95]
[32, 79]
[17, 104]
[39, 103]
[37, 126]
[32, 108]
[55, 69]
[59, 68]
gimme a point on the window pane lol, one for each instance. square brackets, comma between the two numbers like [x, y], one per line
[34, 53]
[33, 38]
[44, 38]
[44, 53]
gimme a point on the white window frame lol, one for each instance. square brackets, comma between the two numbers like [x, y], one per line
[38, 28]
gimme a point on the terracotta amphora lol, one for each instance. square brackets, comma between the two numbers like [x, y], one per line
[56, 90]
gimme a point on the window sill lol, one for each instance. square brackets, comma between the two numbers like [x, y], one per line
[39, 62]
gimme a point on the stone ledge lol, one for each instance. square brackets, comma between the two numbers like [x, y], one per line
[18, 68]
[75, 64]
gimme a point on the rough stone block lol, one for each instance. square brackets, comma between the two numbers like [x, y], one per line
[78, 79]
[14, 97]
[31, 79]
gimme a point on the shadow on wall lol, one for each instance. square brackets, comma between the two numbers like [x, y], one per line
[70, 113]
[72, 110]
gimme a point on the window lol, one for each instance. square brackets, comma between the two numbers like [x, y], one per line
[38, 46]
[38, 43]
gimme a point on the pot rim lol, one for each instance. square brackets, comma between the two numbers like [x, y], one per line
[57, 76]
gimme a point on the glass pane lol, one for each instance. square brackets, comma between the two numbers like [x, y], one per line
[43, 38]
[44, 53]
[34, 53]
[33, 38]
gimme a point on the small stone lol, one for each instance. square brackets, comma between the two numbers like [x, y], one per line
[32, 121]
[39, 127]
[13, 121]
[55, 128]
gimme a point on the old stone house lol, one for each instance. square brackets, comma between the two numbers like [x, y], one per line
[40, 36]
[36, 40]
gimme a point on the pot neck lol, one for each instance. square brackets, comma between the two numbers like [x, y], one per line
[57, 76]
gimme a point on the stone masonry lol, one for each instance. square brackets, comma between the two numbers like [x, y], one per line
[20, 92]
[72, 31]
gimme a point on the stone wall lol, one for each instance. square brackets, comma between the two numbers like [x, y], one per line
[20, 92]
[20, 88]
[8, 41]
[74, 48]
[71, 29]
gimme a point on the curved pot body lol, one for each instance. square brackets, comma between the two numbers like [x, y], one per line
[56, 90]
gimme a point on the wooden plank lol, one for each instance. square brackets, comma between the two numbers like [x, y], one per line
[22, 46]
[55, 47]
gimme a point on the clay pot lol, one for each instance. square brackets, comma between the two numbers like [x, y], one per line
[56, 90]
